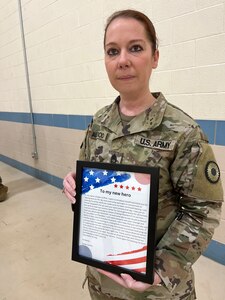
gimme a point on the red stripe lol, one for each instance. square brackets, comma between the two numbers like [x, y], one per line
[134, 251]
[128, 261]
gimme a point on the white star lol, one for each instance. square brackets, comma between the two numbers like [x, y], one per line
[113, 179]
[97, 180]
[91, 187]
[91, 172]
[86, 179]
[105, 173]
[118, 173]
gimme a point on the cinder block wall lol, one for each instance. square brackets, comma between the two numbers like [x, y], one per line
[64, 44]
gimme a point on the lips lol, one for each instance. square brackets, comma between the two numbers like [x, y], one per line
[125, 77]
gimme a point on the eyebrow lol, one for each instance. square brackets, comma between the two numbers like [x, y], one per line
[130, 42]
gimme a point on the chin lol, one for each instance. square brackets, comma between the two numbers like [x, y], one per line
[126, 90]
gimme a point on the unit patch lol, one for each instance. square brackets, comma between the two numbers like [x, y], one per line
[212, 172]
[156, 144]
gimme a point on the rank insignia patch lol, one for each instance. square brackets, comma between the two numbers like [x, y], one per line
[212, 172]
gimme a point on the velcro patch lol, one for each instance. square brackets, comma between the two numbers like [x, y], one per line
[206, 181]
[212, 172]
[100, 135]
[155, 144]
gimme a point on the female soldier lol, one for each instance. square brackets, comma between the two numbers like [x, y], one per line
[142, 128]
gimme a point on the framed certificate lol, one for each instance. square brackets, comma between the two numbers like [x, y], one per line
[115, 218]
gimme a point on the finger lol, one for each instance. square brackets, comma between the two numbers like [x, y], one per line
[157, 280]
[71, 179]
[70, 197]
[135, 285]
[67, 190]
[67, 187]
[114, 277]
[128, 280]
[140, 286]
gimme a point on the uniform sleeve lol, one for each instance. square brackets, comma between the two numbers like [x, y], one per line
[84, 148]
[196, 179]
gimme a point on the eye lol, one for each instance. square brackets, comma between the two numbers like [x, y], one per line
[112, 52]
[136, 48]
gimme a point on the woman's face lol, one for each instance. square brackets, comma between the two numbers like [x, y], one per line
[129, 59]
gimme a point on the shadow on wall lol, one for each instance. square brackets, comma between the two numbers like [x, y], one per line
[23, 185]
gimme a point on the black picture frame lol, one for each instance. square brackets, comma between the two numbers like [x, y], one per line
[94, 205]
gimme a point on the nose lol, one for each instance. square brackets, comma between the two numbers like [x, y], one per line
[123, 60]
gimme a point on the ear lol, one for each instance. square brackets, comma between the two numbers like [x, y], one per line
[155, 59]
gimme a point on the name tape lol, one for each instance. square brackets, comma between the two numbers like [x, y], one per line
[156, 144]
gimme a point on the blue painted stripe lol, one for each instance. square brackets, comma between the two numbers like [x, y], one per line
[57, 120]
[209, 129]
[43, 119]
[220, 133]
[88, 120]
[15, 117]
[215, 250]
[44, 176]
[60, 121]
[213, 129]
[76, 123]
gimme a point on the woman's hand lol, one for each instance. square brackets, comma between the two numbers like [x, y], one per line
[128, 282]
[69, 186]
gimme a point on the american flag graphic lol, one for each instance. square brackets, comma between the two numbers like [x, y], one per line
[95, 178]
[133, 260]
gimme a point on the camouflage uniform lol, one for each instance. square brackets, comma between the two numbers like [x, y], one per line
[190, 191]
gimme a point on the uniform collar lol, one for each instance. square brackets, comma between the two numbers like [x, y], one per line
[147, 120]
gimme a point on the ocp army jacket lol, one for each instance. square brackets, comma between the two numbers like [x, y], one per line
[190, 190]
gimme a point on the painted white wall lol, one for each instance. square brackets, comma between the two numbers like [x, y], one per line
[65, 54]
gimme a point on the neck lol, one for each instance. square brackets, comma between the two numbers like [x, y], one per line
[132, 105]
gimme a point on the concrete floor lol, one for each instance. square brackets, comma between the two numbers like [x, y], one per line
[35, 246]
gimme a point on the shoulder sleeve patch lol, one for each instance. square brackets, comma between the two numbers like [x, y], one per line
[206, 183]
[212, 172]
